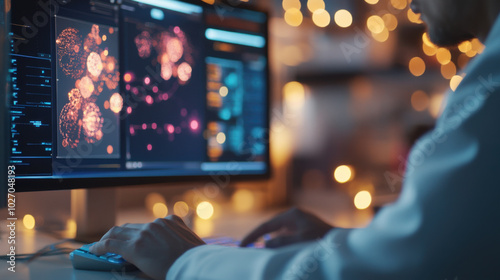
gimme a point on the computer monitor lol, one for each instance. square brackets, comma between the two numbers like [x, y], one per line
[115, 93]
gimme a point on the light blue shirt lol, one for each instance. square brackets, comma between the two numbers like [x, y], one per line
[445, 225]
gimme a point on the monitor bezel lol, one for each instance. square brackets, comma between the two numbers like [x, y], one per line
[30, 185]
[5, 97]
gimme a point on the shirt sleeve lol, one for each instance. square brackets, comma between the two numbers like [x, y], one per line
[445, 225]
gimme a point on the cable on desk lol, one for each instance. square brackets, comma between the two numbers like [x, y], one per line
[49, 250]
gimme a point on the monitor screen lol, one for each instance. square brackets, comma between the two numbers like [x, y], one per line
[136, 92]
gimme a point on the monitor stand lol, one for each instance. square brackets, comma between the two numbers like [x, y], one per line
[94, 211]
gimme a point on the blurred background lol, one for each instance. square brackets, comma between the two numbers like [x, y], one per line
[354, 84]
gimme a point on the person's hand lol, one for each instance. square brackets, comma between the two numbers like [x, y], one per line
[153, 247]
[293, 226]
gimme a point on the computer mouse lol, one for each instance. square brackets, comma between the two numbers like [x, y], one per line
[84, 260]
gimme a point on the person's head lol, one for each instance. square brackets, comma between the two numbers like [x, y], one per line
[451, 22]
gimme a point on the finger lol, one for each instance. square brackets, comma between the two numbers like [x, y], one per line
[283, 241]
[270, 226]
[109, 246]
[121, 233]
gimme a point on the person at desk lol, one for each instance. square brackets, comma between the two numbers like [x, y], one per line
[445, 225]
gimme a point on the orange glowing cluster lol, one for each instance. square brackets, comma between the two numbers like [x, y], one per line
[92, 69]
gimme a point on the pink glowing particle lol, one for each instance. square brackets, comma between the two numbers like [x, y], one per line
[135, 91]
[154, 126]
[94, 64]
[170, 129]
[184, 72]
[129, 110]
[194, 125]
[144, 126]
[143, 43]
[127, 87]
[175, 50]
[149, 99]
[165, 96]
[132, 130]
[150, 147]
[166, 71]
[177, 30]
[155, 89]
[147, 80]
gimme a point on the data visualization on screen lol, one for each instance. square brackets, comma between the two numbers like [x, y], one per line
[136, 91]
[88, 91]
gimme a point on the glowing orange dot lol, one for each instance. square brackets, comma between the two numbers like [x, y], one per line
[111, 30]
[417, 66]
[116, 103]
[110, 149]
[106, 104]
[127, 78]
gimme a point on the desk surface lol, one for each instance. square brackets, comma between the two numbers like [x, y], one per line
[59, 267]
[331, 208]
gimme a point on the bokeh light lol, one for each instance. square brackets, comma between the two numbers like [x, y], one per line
[294, 95]
[321, 18]
[448, 70]
[343, 18]
[375, 24]
[390, 21]
[221, 138]
[205, 210]
[415, 18]
[223, 91]
[314, 5]
[399, 4]
[443, 56]
[152, 199]
[291, 4]
[343, 174]
[243, 200]
[363, 200]
[181, 209]
[294, 17]
[455, 82]
[160, 210]
[417, 66]
[29, 221]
